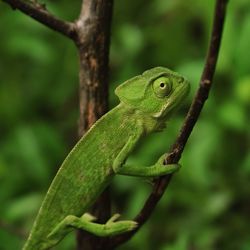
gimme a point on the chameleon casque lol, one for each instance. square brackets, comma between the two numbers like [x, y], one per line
[146, 103]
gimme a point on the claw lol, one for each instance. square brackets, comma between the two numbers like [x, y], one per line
[89, 217]
[162, 159]
[113, 218]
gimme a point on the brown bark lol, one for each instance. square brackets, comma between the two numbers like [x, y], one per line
[93, 29]
[41, 14]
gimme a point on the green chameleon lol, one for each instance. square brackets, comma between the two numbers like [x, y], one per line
[146, 102]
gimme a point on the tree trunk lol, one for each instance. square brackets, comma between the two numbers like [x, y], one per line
[93, 43]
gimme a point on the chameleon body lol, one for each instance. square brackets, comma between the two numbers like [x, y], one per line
[146, 102]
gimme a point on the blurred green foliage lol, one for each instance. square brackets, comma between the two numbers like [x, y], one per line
[207, 205]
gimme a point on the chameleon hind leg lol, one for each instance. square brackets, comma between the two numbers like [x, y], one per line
[85, 222]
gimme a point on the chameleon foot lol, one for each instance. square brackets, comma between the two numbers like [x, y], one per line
[110, 228]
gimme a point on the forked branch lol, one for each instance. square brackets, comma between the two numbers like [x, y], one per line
[198, 102]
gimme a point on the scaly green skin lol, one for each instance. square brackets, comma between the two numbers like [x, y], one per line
[147, 101]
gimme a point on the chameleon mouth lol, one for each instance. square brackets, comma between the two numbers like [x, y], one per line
[180, 94]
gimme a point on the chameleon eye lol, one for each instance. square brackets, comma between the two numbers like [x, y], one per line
[162, 87]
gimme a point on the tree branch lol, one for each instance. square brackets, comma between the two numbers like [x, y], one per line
[198, 102]
[93, 39]
[41, 14]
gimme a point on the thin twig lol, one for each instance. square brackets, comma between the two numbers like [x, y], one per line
[42, 15]
[198, 102]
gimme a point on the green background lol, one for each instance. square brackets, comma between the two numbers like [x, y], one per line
[207, 205]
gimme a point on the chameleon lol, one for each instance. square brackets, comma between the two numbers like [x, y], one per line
[146, 103]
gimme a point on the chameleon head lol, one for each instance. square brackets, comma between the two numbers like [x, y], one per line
[157, 92]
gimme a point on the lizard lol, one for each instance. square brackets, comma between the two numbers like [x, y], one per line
[146, 103]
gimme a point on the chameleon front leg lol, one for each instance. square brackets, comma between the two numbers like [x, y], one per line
[158, 169]
[110, 228]
[150, 171]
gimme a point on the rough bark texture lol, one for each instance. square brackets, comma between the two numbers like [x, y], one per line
[93, 29]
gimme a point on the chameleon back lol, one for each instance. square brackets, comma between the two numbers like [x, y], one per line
[84, 174]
